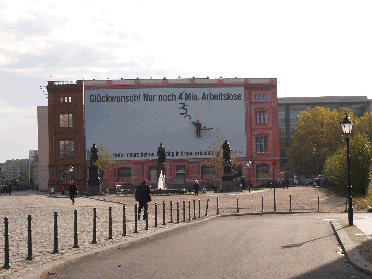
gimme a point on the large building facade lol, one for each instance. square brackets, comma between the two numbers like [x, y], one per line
[132, 118]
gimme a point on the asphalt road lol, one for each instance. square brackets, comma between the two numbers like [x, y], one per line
[262, 246]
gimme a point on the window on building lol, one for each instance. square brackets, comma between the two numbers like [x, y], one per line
[261, 116]
[262, 144]
[259, 96]
[124, 172]
[65, 99]
[65, 120]
[152, 174]
[264, 96]
[207, 172]
[262, 170]
[65, 174]
[180, 168]
[255, 96]
[237, 171]
[66, 148]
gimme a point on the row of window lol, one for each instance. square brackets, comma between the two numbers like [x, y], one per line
[65, 99]
[261, 116]
[206, 171]
[259, 96]
[262, 144]
[65, 120]
[66, 149]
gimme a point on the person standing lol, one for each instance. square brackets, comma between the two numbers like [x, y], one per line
[142, 195]
[73, 191]
[196, 188]
[10, 189]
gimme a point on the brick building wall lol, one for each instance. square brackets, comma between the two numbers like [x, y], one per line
[259, 95]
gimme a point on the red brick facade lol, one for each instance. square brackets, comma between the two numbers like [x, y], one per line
[259, 95]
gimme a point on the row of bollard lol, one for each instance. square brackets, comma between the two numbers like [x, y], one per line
[94, 240]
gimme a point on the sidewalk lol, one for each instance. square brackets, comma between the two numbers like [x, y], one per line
[356, 241]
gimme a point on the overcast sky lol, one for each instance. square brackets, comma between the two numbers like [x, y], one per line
[314, 48]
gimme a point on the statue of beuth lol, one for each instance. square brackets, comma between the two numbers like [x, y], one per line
[161, 155]
[226, 151]
[93, 154]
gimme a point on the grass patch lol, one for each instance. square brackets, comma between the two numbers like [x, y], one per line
[364, 202]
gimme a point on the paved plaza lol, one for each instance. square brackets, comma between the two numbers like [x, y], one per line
[42, 207]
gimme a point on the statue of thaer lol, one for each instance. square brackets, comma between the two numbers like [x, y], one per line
[93, 154]
[226, 151]
[161, 155]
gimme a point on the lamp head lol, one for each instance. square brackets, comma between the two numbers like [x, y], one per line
[347, 125]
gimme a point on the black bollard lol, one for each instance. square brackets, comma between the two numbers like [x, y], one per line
[178, 211]
[124, 222]
[237, 204]
[194, 210]
[147, 217]
[164, 223]
[199, 208]
[135, 218]
[75, 231]
[156, 215]
[94, 241]
[55, 251]
[262, 209]
[189, 211]
[290, 203]
[184, 211]
[318, 203]
[29, 242]
[206, 208]
[346, 205]
[6, 247]
[171, 211]
[218, 209]
[110, 223]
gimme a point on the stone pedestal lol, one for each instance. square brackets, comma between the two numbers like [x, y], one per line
[94, 188]
[227, 177]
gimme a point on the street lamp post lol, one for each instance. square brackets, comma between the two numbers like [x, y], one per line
[71, 172]
[347, 126]
[249, 180]
[274, 189]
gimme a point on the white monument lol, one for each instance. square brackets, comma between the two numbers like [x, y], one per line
[161, 181]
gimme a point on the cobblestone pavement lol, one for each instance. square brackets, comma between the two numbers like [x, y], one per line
[41, 207]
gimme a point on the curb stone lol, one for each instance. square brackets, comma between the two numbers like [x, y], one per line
[350, 249]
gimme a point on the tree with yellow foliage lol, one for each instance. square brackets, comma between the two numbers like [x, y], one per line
[216, 161]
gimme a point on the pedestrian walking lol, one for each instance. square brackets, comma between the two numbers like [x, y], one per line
[5, 189]
[196, 188]
[243, 183]
[73, 191]
[10, 189]
[142, 195]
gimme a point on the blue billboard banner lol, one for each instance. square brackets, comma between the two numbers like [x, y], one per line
[133, 122]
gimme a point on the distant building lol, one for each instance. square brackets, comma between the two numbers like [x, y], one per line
[14, 170]
[33, 171]
[43, 148]
[290, 108]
